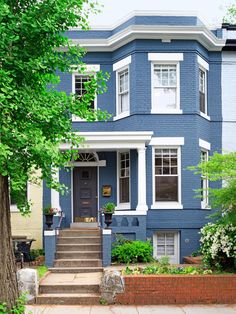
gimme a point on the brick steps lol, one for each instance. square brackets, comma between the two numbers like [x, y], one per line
[69, 299]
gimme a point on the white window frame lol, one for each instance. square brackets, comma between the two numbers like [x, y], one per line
[13, 207]
[90, 69]
[171, 204]
[204, 67]
[122, 206]
[119, 67]
[205, 147]
[166, 59]
[176, 244]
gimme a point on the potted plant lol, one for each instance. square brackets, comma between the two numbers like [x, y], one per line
[108, 210]
[49, 212]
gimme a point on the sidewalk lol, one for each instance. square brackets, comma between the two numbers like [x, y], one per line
[148, 309]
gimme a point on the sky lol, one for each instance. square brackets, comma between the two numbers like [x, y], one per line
[211, 11]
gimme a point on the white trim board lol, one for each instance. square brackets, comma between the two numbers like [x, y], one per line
[122, 63]
[167, 141]
[203, 63]
[204, 144]
[165, 57]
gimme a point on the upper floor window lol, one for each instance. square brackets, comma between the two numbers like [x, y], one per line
[80, 90]
[122, 69]
[123, 91]
[165, 82]
[202, 78]
[79, 81]
[164, 87]
[202, 91]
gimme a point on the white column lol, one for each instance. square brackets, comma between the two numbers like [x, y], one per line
[142, 205]
[55, 197]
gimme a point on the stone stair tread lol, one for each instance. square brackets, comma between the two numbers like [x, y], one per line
[75, 269]
[81, 237]
[71, 252]
[68, 295]
[76, 259]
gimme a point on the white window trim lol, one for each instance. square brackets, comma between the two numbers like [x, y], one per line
[165, 57]
[13, 207]
[122, 206]
[204, 144]
[176, 240]
[177, 110]
[122, 63]
[204, 66]
[167, 205]
[90, 69]
[125, 113]
[206, 147]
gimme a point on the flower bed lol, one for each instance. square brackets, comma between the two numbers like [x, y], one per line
[178, 289]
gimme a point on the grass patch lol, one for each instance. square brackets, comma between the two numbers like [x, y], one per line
[41, 271]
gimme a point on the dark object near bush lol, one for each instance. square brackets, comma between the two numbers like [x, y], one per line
[132, 252]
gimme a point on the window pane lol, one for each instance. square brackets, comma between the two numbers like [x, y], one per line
[166, 188]
[124, 190]
[80, 81]
[164, 98]
[161, 250]
[170, 250]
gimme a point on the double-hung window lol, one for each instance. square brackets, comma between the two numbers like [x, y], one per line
[124, 180]
[123, 91]
[79, 81]
[202, 83]
[166, 175]
[164, 87]
[165, 69]
[204, 182]
[122, 72]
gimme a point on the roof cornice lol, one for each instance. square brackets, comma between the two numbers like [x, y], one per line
[200, 33]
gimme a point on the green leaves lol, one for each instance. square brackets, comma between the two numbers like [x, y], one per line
[34, 117]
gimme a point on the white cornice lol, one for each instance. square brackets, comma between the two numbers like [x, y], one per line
[199, 33]
[134, 13]
[112, 140]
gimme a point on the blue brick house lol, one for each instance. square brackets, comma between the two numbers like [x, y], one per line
[164, 95]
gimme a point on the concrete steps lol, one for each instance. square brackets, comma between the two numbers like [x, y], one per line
[68, 270]
[76, 276]
[69, 299]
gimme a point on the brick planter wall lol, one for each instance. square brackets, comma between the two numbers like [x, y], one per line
[178, 289]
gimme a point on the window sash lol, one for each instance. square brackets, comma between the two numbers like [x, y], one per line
[123, 91]
[202, 90]
[166, 175]
[80, 87]
[124, 177]
[204, 180]
[166, 245]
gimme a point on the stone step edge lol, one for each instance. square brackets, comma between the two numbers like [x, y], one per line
[77, 259]
[81, 252]
[84, 237]
[68, 295]
[76, 268]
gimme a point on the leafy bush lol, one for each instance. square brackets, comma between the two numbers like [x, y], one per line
[19, 308]
[120, 240]
[36, 253]
[160, 268]
[132, 252]
[218, 245]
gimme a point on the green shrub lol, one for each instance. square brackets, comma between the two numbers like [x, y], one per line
[36, 253]
[19, 308]
[132, 252]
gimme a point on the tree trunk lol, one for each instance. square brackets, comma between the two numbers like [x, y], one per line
[8, 280]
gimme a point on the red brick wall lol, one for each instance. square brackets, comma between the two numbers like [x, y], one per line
[177, 289]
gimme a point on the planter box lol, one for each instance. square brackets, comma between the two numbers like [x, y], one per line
[192, 259]
[178, 289]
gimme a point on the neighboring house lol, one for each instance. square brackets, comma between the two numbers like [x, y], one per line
[228, 89]
[164, 95]
[29, 226]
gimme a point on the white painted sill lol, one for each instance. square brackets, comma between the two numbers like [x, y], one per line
[122, 206]
[205, 206]
[14, 209]
[205, 116]
[167, 205]
[176, 111]
[121, 116]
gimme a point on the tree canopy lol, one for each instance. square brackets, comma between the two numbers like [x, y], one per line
[34, 116]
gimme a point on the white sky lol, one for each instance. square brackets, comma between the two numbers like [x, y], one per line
[211, 11]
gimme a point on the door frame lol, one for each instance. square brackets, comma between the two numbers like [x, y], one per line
[83, 164]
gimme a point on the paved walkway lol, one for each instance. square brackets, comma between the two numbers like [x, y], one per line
[150, 309]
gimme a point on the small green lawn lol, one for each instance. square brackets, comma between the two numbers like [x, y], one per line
[41, 271]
